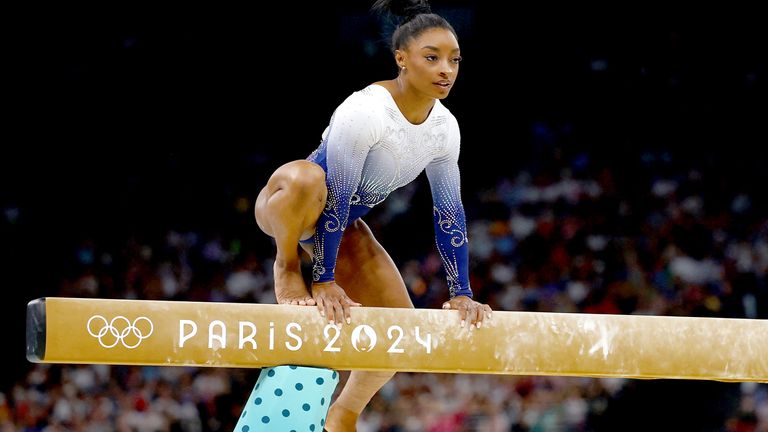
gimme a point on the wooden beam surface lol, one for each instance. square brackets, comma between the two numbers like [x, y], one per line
[71, 330]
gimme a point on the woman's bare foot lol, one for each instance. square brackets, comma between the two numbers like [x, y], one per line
[290, 288]
[340, 419]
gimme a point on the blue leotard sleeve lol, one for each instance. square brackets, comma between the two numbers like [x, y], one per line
[450, 221]
[353, 130]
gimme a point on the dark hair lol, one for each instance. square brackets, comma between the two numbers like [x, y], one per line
[416, 18]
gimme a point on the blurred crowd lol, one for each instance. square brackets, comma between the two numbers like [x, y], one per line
[569, 234]
[139, 198]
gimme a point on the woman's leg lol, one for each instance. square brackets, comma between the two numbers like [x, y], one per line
[287, 209]
[368, 275]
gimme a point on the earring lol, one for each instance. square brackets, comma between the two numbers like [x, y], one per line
[402, 68]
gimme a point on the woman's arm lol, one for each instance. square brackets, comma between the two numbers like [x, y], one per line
[451, 233]
[450, 223]
[354, 129]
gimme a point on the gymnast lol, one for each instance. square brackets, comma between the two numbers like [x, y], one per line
[379, 139]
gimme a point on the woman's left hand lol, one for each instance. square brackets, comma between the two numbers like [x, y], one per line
[469, 310]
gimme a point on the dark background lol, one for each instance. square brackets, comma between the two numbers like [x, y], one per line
[133, 118]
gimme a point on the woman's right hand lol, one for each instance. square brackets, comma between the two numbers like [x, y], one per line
[333, 302]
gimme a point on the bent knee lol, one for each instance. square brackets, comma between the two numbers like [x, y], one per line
[301, 176]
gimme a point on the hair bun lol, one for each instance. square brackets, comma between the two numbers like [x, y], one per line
[403, 8]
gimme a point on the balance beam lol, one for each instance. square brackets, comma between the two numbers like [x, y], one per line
[171, 333]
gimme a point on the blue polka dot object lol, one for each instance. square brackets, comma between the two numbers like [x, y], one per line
[289, 398]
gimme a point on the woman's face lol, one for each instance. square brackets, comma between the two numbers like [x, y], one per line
[431, 62]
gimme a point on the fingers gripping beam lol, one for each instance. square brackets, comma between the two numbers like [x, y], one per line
[70, 330]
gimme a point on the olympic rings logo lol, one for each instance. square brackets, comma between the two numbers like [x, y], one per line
[120, 330]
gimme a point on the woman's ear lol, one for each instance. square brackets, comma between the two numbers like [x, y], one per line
[400, 57]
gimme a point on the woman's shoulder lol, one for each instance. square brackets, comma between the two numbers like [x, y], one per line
[376, 89]
[368, 98]
[442, 111]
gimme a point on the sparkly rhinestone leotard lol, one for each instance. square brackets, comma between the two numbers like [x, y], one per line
[370, 149]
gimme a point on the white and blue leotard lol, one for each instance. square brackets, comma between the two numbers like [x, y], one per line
[370, 149]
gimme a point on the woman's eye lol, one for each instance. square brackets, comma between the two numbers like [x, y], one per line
[457, 59]
[431, 58]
